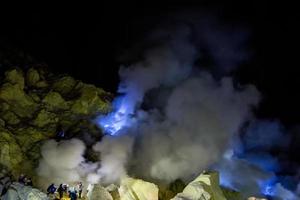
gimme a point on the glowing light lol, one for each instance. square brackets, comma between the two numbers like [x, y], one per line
[268, 187]
[115, 121]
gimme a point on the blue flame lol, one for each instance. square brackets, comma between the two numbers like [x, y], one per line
[268, 187]
[118, 119]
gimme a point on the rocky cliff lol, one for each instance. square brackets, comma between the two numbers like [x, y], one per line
[35, 105]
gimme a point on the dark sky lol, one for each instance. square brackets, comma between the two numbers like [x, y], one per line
[85, 42]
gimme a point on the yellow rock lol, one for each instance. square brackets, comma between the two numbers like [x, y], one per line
[137, 189]
[32, 77]
[89, 101]
[10, 118]
[64, 85]
[205, 186]
[11, 154]
[20, 103]
[45, 118]
[54, 101]
[15, 77]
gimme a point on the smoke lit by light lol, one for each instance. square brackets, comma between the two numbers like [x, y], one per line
[116, 120]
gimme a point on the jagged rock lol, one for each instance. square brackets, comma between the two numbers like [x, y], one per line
[15, 77]
[17, 191]
[5, 181]
[204, 187]
[19, 102]
[2, 123]
[113, 190]
[41, 84]
[35, 97]
[27, 136]
[166, 193]
[45, 118]
[32, 77]
[11, 154]
[10, 117]
[232, 194]
[54, 101]
[89, 101]
[64, 85]
[33, 108]
[137, 189]
[96, 192]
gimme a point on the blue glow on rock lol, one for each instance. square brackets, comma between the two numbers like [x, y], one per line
[118, 119]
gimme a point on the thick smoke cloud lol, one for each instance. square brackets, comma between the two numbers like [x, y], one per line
[114, 158]
[251, 157]
[60, 162]
[174, 119]
[188, 128]
[200, 117]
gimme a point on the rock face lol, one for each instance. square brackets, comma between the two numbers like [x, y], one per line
[5, 182]
[17, 191]
[34, 104]
[137, 189]
[96, 192]
[204, 187]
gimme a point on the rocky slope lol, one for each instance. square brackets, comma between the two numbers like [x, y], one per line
[35, 105]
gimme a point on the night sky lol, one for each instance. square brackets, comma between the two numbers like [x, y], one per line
[86, 42]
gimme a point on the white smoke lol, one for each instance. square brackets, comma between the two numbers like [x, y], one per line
[184, 127]
[189, 124]
[200, 118]
[114, 157]
[60, 162]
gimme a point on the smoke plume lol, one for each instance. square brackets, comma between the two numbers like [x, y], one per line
[60, 162]
[175, 117]
[180, 117]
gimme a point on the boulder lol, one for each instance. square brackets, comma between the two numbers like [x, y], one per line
[5, 181]
[15, 77]
[96, 192]
[45, 118]
[89, 101]
[232, 194]
[11, 154]
[204, 187]
[17, 191]
[10, 117]
[54, 101]
[64, 85]
[168, 192]
[19, 102]
[137, 189]
[113, 190]
[32, 77]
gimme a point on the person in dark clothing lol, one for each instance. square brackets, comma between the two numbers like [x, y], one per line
[28, 182]
[60, 133]
[60, 190]
[51, 189]
[73, 195]
[21, 179]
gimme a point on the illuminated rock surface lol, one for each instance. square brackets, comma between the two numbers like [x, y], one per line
[34, 104]
[204, 187]
[98, 192]
[17, 191]
[137, 189]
